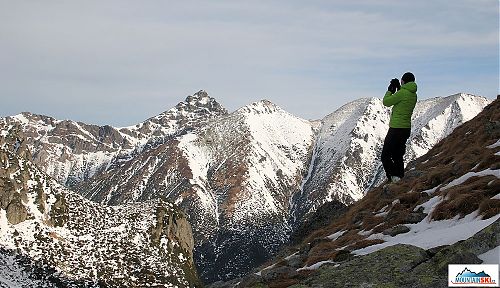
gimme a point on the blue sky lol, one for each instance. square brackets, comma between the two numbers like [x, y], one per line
[120, 62]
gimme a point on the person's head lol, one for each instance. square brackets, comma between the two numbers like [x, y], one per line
[407, 77]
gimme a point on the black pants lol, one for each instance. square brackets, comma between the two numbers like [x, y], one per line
[394, 150]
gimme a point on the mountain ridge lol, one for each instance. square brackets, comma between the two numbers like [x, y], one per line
[248, 178]
[53, 237]
[446, 210]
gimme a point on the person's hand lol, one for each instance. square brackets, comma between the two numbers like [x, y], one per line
[391, 88]
[395, 83]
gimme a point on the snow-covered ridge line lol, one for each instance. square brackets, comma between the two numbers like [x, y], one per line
[259, 166]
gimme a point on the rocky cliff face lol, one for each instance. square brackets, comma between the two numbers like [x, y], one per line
[52, 237]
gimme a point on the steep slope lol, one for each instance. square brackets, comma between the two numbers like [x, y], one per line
[346, 158]
[72, 152]
[234, 177]
[447, 210]
[51, 237]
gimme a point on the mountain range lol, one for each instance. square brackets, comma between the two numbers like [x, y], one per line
[446, 210]
[247, 179]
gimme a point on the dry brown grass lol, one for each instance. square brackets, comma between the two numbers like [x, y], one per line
[282, 283]
[467, 198]
[489, 207]
[370, 221]
[451, 158]
[411, 198]
[364, 243]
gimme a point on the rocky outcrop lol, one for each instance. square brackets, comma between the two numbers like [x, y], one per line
[405, 265]
[13, 176]
[16, 212]
[90, 245]
[400, 265]
[323, 216]
[176, 228]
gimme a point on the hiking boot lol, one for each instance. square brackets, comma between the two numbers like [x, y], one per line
[395, 179]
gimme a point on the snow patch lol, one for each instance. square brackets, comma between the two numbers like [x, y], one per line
[494, 145]
[491, 257]
[467, 176]
[431, 234]
[316, 266]
[336, 235]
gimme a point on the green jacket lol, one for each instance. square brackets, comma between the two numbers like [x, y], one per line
[404, 102]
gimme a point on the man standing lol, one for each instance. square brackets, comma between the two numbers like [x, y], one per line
[402, 98]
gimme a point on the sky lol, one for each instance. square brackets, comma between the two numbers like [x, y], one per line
[121, 62]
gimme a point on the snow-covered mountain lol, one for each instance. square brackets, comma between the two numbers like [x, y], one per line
[73, 152]
[52, 237]
[246, 179]
[446, 210]
[346, 157]
[234, 177]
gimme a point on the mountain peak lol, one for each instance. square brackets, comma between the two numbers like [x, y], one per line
[200, 101]
[198, 97]
[261, 107]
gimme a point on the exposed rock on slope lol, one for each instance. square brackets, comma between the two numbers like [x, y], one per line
[51, 237]
[72, 152]
[234, 177]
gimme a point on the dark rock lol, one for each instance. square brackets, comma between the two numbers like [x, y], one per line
[412, 174]
[415, 217]
[434, 250]
[59, 213]
[400, 229]
[390, 267]
[323, 216]
[16, 212]
[305, 248]
[6, 193]
[277, 273]
[250, 281]
[387, 191]
[296, 261]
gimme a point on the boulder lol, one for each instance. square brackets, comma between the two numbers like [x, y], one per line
[296, 261]
[16, 212]
[389, 267]
[415, 217]
[277, 273]
[399, 229]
